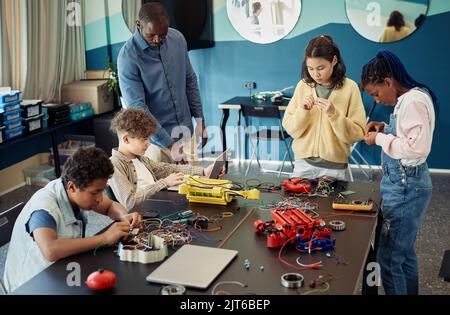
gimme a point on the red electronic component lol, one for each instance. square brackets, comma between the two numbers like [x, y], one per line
[101, 280]
[294, 225]
[297, 185]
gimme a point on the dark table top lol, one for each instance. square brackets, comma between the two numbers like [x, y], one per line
[236, 233]
[246, 100]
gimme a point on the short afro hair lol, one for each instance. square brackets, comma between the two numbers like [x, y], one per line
[136, 122]
[85, 166]
[153, 12]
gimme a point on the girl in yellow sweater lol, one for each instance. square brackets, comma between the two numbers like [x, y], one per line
[326, 114]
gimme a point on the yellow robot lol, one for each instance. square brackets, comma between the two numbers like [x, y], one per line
[213, 191]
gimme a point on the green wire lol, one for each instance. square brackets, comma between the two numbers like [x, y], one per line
[170, 215]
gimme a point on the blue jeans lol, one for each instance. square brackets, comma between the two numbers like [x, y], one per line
[406, 193]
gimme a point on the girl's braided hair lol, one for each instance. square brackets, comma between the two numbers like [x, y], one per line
[387, 65]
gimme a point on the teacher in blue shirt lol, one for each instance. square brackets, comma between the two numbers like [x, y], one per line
[155, 74]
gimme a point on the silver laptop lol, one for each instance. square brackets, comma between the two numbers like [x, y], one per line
[193, 266]
[219, 163]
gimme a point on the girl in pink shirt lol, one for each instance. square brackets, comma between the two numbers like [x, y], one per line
[406, 184]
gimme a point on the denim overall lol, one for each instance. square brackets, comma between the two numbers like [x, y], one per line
[406, 192]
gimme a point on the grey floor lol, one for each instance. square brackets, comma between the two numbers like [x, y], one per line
[432, 241]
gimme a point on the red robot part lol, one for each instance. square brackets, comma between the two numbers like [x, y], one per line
[297, 185]
[293, 225]
[101, 280]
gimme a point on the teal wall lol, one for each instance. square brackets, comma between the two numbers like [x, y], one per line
[223, 69]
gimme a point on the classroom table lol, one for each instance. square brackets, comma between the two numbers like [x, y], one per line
[352, 246]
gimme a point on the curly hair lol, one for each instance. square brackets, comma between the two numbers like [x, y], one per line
[85, 166]
[136, 122]
[324, 47]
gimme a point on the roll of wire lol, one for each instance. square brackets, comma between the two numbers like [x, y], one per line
[292, 280]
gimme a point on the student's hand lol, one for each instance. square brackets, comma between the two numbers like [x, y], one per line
[176, 151]
[374, 126]
[133, 218]
[222, 173]
[370, 137]
[326, 106]
[174, 179]
[116, 232]
[308, 102]
[207, 170]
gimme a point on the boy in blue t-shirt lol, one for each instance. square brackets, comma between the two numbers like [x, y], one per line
[52, 224]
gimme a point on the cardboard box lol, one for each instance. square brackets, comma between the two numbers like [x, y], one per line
[96, 74]
[89, 91]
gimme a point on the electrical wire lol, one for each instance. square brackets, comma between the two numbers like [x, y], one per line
[226, 282]
[307, 265]
[291, 265]
[325, 284]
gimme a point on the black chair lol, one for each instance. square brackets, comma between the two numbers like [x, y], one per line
[270, 112]
[7, 221]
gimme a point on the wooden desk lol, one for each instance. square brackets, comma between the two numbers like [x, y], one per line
[352, 244]
[235, 104]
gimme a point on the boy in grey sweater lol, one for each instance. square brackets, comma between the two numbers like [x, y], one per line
[136, 177]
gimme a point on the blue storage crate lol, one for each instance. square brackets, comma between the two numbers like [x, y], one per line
[9, 107]
[81, 115]
[14, 133]
[13, 124]
[76, 108]
[11, 115]
[10, 97]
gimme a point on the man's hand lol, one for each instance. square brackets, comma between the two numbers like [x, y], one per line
[374, 126]
[176, 151]
[370, 137]
[308, 102]
[174, 179]
[134, 219]
[326, 106]
[200, 132]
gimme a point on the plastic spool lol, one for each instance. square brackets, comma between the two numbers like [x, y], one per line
[158, 253]
[337, 225]
[173, 289]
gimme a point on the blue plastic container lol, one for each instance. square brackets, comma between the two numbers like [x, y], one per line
[10, 97]
[14, 133]
[13, 124]
[9, 107]
[11, 115]
[81, 115]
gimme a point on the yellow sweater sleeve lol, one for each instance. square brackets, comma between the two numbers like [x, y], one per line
[350, 128]
[296, 119]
